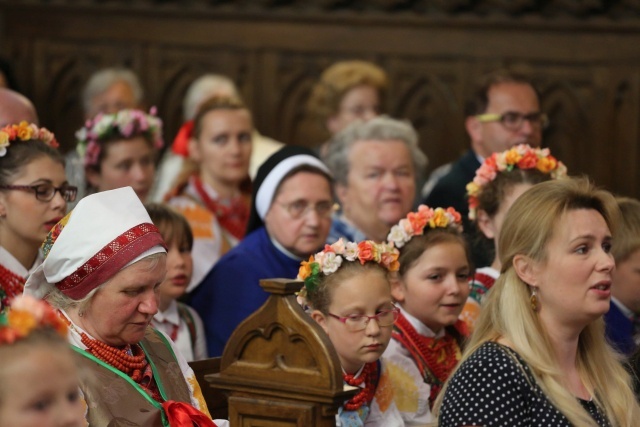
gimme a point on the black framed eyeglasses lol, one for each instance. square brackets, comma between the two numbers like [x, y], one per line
[46, 192]
[359, 322]
[300, 208]
[513, 121]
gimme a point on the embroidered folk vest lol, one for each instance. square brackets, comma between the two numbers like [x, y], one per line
[114, 399]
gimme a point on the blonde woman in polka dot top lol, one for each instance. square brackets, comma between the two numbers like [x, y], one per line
[538, 356]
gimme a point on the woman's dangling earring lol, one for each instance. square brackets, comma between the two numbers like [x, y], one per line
[534, 299]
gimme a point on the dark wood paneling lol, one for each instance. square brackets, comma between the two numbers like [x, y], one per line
[584, 55]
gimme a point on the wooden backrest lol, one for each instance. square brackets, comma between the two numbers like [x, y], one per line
[279, 367]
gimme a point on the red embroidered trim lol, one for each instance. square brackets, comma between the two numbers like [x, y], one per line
[110, 259]
[435, 358]
[11, 283]
[232, 218]
[486, 280]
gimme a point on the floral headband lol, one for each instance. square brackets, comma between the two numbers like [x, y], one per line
[415, 223]
[331, 257]
[26, 314]
[124, 123]
[25, 132]
[522, 157]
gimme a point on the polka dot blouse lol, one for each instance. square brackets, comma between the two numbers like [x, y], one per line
[490, 389]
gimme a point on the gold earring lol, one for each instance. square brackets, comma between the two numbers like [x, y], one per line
[534, 300]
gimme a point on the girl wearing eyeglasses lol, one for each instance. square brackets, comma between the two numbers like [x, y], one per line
[33, 197]
[347, 289]
[431, 288]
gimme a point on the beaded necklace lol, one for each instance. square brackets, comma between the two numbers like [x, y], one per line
[11, 285]
[130, 360]
[365, 395]
[435, 357]
[232, 218]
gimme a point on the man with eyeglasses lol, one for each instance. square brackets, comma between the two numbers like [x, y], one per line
[503, 111]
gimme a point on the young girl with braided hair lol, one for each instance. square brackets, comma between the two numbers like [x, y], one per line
[431, 287]
[39, 384]
[348, 291]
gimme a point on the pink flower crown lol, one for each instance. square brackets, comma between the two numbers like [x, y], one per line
[415, 223]
[332, 256]
[24, 315]
[25, 132]
[124, 123]
[522, 157]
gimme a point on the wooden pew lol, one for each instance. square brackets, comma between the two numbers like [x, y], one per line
[278, 368]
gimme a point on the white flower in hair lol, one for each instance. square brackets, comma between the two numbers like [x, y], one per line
[398, 235]
[351, 251]
[331, 263]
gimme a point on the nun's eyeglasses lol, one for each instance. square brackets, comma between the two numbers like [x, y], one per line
[46, 192]
[300, 208]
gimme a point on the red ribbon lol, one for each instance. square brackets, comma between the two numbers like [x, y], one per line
[181, 142]
[181, 414]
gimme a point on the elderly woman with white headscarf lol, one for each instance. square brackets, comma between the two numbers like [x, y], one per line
[103, 264]
[290, 218]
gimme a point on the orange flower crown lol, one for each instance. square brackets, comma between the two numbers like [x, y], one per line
[330, 259]
[25, 132]
[522, 157]
[26, 314]
[415, 223]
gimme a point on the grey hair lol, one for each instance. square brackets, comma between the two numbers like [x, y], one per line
[205, 87]
[58, 300]
[103, 79]
[382, 128]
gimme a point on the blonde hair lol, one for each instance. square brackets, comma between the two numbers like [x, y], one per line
[339, 79]
[628, 239]
[507, 313]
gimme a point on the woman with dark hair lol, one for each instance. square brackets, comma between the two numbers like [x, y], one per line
[119, 150]
[214, 190]
[33, 197]
[290, 219]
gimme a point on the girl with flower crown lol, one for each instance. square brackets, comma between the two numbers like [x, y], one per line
[39, 383]
[33, 197]
[213, 192]
[347, 289]
[119, 150]
[431, 288]
[499, 181]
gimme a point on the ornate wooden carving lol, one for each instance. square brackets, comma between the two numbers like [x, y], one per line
[279, 366]
[582, 53]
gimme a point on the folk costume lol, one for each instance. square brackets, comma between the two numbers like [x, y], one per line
[374, 405]
[182, 324]
[421, 361]
[143, 384]
[236, 277]
[12, 277]
[217, 225]
[482, 281]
